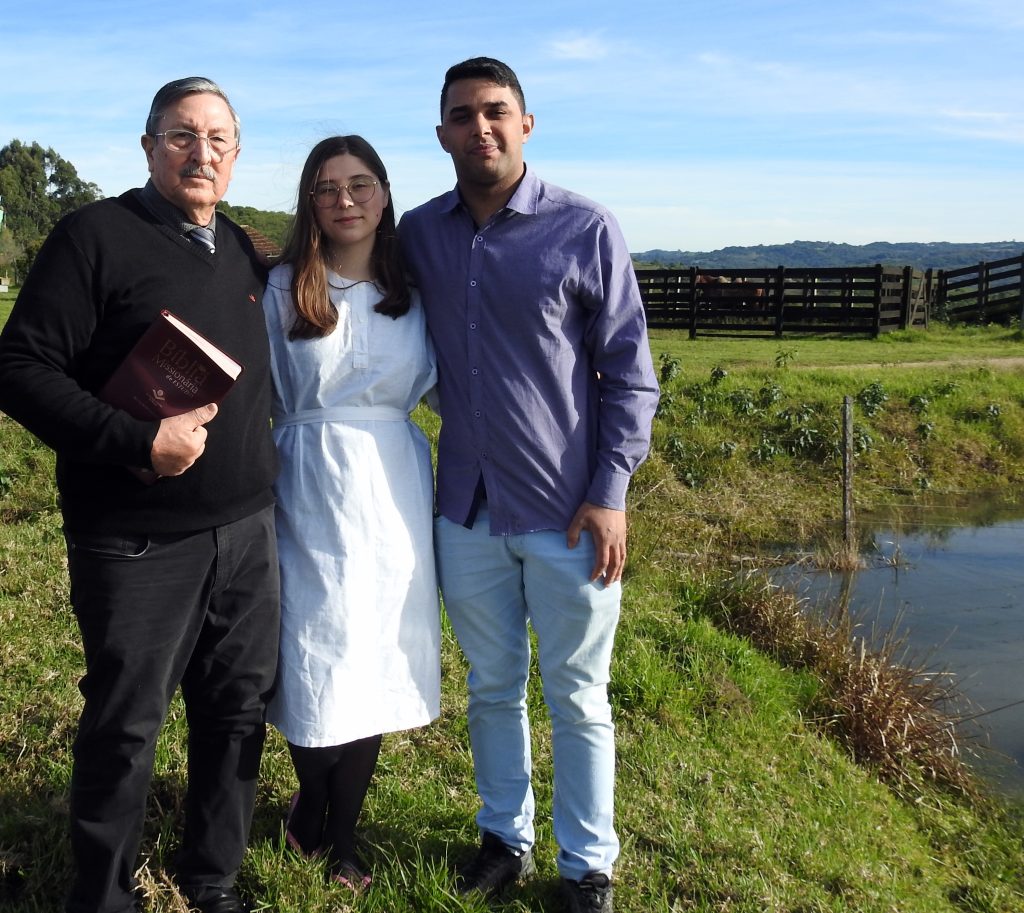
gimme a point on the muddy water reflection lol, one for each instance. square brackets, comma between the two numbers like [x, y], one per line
[953, 578]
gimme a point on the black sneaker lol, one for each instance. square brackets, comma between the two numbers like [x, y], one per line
[591, 894]
[495, 867]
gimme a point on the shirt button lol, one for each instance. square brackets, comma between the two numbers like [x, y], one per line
[476, 371]
[472, 326]
[479, 237]
[477, 413]
[472, 282]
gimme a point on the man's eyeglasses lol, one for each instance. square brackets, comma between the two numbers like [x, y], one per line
[185, 140]
[359, 190]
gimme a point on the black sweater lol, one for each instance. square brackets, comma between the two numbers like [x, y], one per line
[99, 280]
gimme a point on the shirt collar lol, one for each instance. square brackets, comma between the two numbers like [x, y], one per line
[527, 194]
[524, 200]
[168, 213]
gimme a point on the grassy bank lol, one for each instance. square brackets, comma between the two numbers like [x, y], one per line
[749, 437]
[743, 780]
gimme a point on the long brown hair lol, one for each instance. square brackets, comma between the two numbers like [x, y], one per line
[315, 315]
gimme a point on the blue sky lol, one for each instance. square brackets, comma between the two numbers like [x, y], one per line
[700, 123]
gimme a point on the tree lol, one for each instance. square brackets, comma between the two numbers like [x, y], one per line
[38, 187]
[10, 251]
[273, 225]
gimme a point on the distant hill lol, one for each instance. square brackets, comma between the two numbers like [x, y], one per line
[938, 255]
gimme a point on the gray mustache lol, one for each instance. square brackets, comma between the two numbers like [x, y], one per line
[198, 171]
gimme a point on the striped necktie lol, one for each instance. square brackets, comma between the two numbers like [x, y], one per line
[204, 238]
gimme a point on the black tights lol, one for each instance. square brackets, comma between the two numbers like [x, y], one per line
[332, 786]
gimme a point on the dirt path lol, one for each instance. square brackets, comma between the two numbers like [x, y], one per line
[1010, 362]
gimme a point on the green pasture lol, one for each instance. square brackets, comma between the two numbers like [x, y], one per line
[940, 343]
[739, 791]
[6, 303]
[750, 431]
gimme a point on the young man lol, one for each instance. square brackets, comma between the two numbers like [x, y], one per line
[546, 395]
[175, 582]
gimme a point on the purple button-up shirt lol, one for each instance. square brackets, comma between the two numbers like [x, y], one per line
[545, 380]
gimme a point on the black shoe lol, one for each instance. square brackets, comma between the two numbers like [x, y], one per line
[215, 899]
[495, 867]
[591, 894]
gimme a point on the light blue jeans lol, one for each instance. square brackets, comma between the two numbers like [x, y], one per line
[492, 586]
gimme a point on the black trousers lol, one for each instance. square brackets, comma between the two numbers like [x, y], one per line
[201, 611]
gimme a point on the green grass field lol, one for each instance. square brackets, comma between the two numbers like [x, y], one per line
[940, 343]
[6, 303]
[751, 430]
[738, 791]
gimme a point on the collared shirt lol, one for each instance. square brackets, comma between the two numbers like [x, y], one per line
[545, 379]
[168, 213]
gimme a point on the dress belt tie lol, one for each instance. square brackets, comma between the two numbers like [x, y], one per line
[342, 414]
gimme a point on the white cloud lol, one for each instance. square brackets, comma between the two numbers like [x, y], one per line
[589, 47]
[700, 125]
[705, 205]
[1003, 14]
[999, 126]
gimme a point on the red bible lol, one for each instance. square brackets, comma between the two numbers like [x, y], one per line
[169, 371]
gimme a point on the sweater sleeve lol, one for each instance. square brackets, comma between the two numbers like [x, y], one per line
[46, 361]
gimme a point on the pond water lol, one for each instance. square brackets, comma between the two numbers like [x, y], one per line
[950, 578]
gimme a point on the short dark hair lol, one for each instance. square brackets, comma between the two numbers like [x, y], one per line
[177, 89]
[501, 74]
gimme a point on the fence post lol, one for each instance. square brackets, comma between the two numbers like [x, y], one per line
[694, 301]
[877, 323]
[780, 299]
[982, 289]
[1021, 291]
[848, 540]
[929, 295]
[906, 296]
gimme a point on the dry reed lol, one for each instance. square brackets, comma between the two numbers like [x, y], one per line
[891, 714]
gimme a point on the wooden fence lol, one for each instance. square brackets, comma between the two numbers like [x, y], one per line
[770, 302]
[989, 292]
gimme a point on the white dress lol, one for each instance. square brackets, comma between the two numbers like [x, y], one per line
[360, 627]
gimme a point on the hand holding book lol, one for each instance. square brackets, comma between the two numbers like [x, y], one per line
[180, 441]
[176, 375]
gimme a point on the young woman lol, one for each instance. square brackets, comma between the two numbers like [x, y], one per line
[360, 634]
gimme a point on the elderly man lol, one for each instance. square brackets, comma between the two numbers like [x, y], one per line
[546, 396]
[172, 583]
